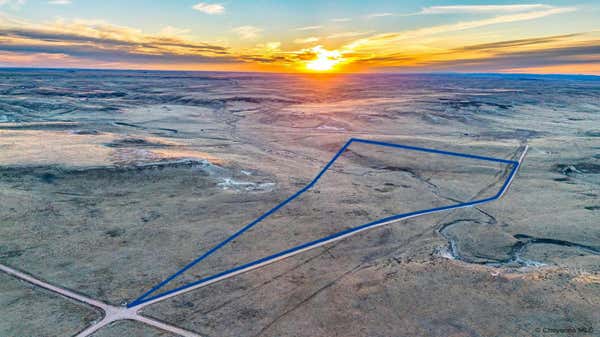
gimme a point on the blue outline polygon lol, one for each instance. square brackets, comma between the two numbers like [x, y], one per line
[333, 237]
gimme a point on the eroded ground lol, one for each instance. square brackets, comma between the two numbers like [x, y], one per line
[110, 186]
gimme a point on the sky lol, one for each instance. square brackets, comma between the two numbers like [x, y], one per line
[303, 36]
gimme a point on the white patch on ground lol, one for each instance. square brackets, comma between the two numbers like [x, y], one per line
[236, 185]
[445, 253]
[330, 128]
[528, 263]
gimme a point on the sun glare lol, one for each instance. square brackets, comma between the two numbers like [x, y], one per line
[325, 59]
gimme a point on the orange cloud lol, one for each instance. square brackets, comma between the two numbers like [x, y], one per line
[96, 43]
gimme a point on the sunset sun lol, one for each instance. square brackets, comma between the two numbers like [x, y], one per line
[325, 60]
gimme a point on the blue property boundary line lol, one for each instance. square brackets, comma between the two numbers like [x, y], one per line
[145, 297]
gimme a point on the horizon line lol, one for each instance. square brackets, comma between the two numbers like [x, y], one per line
[303, 73]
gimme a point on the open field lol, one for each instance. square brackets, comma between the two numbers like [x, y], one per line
[111, 181]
